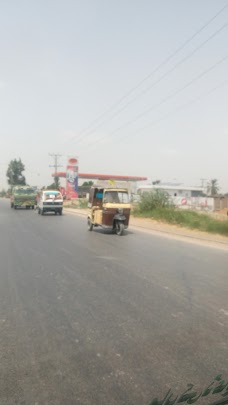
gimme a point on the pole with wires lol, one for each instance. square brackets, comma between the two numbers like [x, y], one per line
[56, 165]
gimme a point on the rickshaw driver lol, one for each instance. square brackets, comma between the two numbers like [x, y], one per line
[112, 197]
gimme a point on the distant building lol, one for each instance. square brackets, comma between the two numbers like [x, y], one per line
[173, 190]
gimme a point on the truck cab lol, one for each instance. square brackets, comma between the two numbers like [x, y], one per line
[23, 197]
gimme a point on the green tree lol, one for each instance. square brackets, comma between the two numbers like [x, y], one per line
[51, 187]
[212, 187]
[14, 173]
[87, 183]
[57, 183]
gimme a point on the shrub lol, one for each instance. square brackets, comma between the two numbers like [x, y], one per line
[153, 200]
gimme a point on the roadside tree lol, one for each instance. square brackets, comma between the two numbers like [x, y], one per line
[14, 173]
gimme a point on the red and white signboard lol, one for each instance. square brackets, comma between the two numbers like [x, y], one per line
[72, 178]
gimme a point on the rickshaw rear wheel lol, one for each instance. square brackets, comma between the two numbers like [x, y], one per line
[89, 224]
[119, 228]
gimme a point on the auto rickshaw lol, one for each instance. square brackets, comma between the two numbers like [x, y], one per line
[110, 208]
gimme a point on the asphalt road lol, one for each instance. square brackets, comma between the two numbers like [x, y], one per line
[93, 318]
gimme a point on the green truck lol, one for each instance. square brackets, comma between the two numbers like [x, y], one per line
[23, 197]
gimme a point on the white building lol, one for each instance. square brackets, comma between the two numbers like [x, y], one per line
[173, 190]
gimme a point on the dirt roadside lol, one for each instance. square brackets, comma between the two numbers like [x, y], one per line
[147, 225]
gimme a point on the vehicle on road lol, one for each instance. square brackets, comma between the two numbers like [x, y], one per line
[50, 201]
[109, 208]
[23, 197]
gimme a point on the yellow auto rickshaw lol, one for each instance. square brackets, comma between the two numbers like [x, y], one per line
[109, 208]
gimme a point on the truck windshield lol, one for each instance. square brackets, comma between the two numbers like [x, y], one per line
[52, 196]
[116, 197]
[25, 191]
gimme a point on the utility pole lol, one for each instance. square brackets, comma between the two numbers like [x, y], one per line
[56, 157]
[202, 182]
[203, 186]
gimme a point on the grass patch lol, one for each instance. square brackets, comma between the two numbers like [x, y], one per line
[188, 219]
[81, 204]
[75, 207]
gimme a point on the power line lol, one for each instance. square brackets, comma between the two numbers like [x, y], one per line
[159, 80]
[164, 62]
[171, 113]
[178, 109]
[164, 100]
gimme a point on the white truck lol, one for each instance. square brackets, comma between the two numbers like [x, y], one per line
[50, 201]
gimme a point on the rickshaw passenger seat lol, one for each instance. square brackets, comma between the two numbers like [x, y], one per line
[97, 202]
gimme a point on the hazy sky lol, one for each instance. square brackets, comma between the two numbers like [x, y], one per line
[65, 63]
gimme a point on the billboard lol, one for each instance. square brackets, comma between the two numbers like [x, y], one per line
[72, 178]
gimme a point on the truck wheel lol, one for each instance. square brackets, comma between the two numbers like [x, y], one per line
[60, 212]
[32, 207]
[42, 212]
[12, 205]
[15, 207]
[119, 228]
